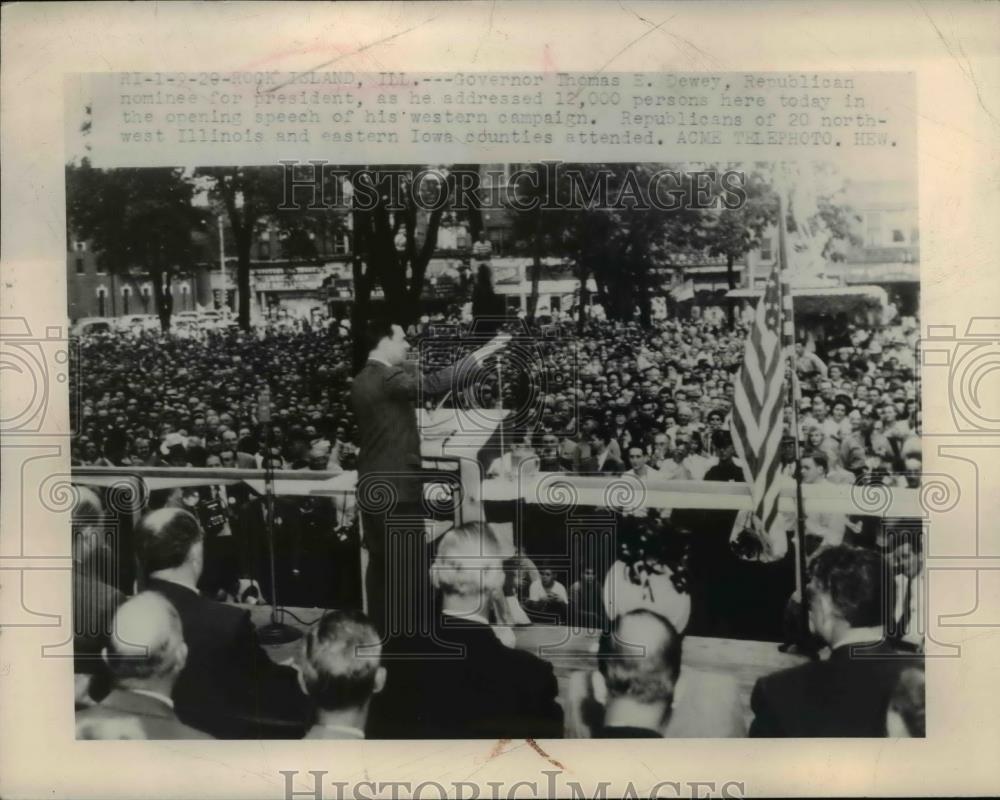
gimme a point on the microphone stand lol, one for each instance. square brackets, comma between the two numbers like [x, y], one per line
[500, 408]
[275, 632]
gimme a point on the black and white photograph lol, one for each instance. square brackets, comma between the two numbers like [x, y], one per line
[477, 384]
[405, 468]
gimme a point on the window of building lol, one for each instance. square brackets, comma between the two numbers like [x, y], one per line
[99, 268]
[873, 228]
[145, 299]
[264, 248]
[766, 252]
[340, 244]
[102, 297]
[126, 297]
[80, 247]
[80, 268]
[897, 236]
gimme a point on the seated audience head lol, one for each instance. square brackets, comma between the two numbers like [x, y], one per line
[639, 659]
[170, 545]
[89, 552]
[815, 466]
[468, 567]
[845, 592]
[722, 441]
[905, 717]
[341, 666]
[146, 649]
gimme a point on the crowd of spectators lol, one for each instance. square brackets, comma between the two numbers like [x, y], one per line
[654, 403]
[595, 400]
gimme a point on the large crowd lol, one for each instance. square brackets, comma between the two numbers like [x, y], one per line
[595, 399]
[653, 402]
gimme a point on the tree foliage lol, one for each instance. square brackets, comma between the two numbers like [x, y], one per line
[136, 218]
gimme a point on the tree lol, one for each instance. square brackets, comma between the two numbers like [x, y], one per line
[248, 196]
[136, 219]
[254, 198]
[396, 217]
[734, 232]
[539, 229]
[627, 241]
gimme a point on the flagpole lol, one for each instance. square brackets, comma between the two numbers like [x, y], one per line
[788, 328]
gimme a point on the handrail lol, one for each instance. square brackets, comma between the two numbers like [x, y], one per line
[553, 490]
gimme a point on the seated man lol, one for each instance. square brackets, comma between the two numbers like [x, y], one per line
[602, 458]
[145, 655]
[458, 680]
[846, 695]
[230, 687]
[547, 598]
[341, 671]
[643, 692]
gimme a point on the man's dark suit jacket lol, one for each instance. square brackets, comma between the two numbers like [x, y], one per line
[610, 466]
[846, 695]
[230, 687]
[464, 684]
[383, 398]
[154, 718]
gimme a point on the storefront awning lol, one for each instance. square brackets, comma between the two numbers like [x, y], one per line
[832, 299]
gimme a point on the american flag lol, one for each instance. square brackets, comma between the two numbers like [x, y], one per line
[757, 421]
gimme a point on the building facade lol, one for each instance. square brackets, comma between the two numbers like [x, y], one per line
[95, 292]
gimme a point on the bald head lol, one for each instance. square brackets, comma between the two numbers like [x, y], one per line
[640, 657]
[147, 641]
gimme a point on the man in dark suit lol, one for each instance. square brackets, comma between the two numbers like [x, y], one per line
[848, 694]
[145, 654]
[639, 659]
[229, 687]
[601, 459]
[341, 671]
[383, 394]
[465, 684]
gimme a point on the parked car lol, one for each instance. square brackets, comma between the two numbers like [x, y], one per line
[142, 322]
[88, 326]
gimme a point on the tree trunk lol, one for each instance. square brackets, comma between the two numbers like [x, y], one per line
[536, 268]
[360, 307]
[584, 299]
[163, 300]
[642, 296]
[730, 302]
[243, 278]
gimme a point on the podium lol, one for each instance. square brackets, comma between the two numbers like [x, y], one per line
[458, 445]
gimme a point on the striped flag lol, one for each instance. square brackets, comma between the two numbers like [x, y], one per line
[757, 421]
